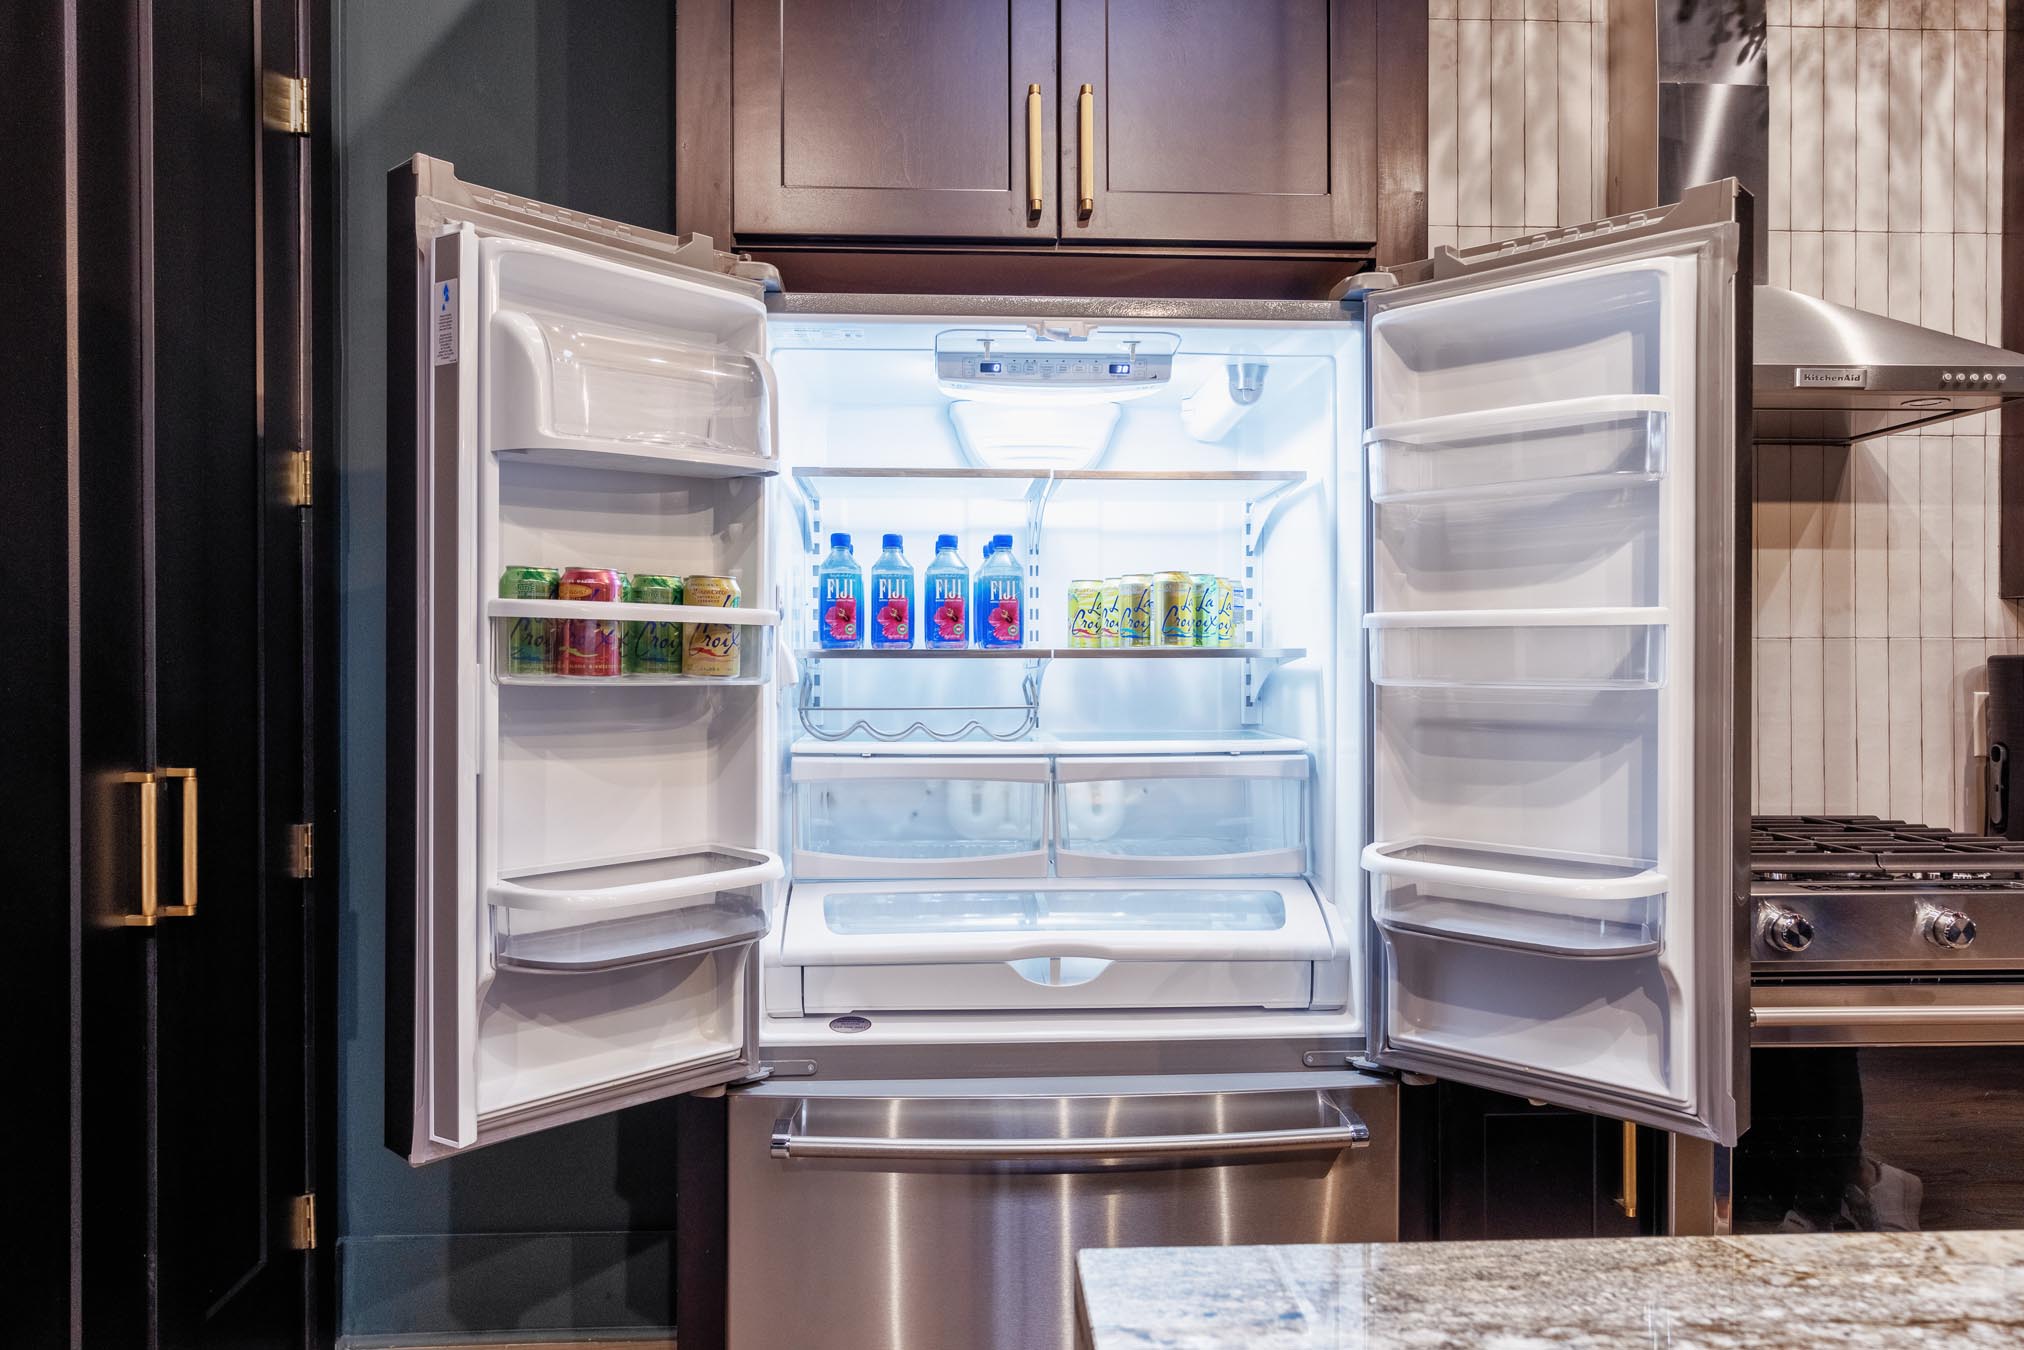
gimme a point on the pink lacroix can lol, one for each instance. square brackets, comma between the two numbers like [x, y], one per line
[590, 647]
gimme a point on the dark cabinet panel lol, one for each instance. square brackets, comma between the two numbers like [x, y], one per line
[892, 118]
[1508, 1169]
[1219, 121]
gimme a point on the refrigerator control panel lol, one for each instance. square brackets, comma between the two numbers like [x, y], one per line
[1108, 368]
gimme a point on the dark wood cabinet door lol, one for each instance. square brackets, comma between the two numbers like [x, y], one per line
[904, 119]
[1220, 121]
[1506, 1168]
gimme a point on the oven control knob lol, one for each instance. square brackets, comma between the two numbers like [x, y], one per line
[1788, 930]
[1949, 928]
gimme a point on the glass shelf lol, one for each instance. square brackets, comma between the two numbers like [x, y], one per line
[1051, 653]
[1113, 485]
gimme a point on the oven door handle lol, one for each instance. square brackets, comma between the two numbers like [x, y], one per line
[1349, 1131]
[1805, 1015]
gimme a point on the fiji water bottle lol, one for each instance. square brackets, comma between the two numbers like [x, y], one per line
[839, 597]
[892, 596]
[1000, 613]
[948, 604]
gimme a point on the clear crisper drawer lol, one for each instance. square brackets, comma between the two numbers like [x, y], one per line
[1054, 911]
[1546, 447]
[877, 816]
[1580, 649]
[1181, 815]
[1528, 900]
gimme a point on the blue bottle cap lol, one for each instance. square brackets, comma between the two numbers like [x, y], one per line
[943, 541]
[839, 540]
[892, 541]
[1002, 540]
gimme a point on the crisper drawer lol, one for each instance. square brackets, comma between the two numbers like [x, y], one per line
[880, 816]
[1181, 816]
[863, 947]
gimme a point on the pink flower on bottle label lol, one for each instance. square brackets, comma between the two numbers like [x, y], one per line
[894, 623]
[1004, 621]
[841, 619]
[949, 619]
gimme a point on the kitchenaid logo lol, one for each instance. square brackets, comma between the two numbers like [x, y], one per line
[1831, 377]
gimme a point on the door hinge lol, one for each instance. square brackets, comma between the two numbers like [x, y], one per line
[284, 103]
[299, 490]
[301, 851]
[302, 1223]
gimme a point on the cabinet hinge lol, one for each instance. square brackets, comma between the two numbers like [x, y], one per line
[284, 103]
[301, 851]
[302, 1222]
[299, 491]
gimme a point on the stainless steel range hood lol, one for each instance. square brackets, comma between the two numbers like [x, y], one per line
[1688, 104]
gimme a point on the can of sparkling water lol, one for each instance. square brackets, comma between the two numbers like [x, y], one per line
[530, 643]
[1107, 608]
[1085, 613]
[590, 647]
[653, 648]
[1134, 612]
[1173, 609]
[710, 650]
[1215, 611]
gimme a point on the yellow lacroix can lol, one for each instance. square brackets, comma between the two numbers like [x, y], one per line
[1134, 611]
[1173, 609]
[1107, 605]
[1085, 613]
[710, 649]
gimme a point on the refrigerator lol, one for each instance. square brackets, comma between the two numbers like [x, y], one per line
[1002, 952]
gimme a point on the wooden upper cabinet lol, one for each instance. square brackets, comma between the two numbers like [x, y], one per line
[904, 119]
[1220, 121]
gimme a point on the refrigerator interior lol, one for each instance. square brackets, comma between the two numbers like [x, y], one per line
[1055, 841]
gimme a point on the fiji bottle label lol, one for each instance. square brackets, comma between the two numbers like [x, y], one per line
[948, 611]
[892, 611]
[839, 621]
[998, 615]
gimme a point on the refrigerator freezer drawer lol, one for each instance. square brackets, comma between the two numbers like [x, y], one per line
[981, 1195]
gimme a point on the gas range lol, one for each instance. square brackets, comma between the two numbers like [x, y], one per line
[1858, 893]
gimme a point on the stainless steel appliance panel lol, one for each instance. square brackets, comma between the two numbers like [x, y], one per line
[948, 1214]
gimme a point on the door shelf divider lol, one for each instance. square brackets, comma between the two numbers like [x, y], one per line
[1568, 445]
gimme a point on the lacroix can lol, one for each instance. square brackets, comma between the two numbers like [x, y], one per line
[1173, 609]
[590, 647]
[1215, 611]
[530, 643]
[710, 649]
[1134, 613]
[653, 648]
[1107, 606]
[1085, 613]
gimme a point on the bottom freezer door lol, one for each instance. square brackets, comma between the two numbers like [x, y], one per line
[949, 1213]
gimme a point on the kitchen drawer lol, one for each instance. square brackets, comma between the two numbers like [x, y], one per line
[1181, 815]
[882, 816]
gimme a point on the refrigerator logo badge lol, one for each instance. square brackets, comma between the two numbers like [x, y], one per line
[443, 346]
[1831, 377]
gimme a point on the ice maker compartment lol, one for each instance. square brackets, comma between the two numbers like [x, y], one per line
[1181, 816]
[880, 817]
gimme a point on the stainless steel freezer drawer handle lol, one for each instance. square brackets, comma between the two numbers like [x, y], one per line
[1804, 1015]
[1350, 1132]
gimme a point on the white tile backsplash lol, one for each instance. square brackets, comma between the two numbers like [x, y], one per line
[1874, 572]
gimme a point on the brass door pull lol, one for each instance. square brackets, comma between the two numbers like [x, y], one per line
[1035, 198]
[150, 861]
[1085, 145]
[1627, 1202]
[188, 909]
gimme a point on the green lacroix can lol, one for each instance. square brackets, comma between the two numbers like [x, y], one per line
[530, 643]
[1085, 613]
[1173, 609]
[652, 648]
[1134, 611]
[1215, 611]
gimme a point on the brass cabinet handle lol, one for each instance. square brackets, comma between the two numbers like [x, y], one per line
[1034, 195]
[150, 862]
[1085, 147]
[1627, 1202]
[188, 908]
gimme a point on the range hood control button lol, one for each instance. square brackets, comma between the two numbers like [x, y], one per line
[1788, 930]
[1949, 928]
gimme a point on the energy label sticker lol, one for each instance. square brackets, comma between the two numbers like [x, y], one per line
[445, 346]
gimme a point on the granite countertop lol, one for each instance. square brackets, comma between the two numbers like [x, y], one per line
[1839, 1289]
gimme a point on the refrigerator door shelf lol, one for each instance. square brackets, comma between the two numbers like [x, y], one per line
[595, 364]
[1621, 648]
[936, 817]
[736, 615]
[1181, 815]
[1569, 445]
[532, 940]
[1523, 899]
[607, 887]
[754, 635]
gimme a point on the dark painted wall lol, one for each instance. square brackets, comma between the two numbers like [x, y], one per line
[569, 103]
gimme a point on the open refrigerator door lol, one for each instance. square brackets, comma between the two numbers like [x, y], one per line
[581, 785]
[1554, 471]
